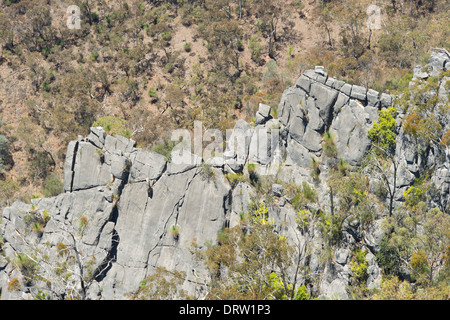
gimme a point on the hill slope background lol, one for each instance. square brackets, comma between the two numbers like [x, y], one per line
[158, 65]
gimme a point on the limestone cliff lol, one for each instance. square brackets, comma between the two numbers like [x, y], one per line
[120, 202]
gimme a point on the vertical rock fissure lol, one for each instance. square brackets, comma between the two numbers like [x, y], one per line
[175, 211]
[74, 158]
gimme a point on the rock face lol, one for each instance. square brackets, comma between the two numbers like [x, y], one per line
[318, 104]
[127, 211]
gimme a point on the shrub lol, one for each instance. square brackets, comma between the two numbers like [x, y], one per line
[152, 93]
[14, 285]
[113, 125]
[175, 231]
[419, 262]
[234, 178]
[5, 155]
[187, 47]
[359, 265]
[445, 140]
[308, 191]
[165, 148]
[94, 55]
[206, 171]
[388, 258]
[383, 131]
[255, 48]
[53, 186]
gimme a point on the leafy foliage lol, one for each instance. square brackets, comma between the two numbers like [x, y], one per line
[383, 131]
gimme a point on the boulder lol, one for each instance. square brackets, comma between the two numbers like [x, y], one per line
[437, 62]
[373, 235]
[359, 93]
[373, 98]
[263, 114]
[97, 136]
[290, 103]
[89, 171]
[325, 98]
[351, 132]
[146, 165]
[304, 83]
[238, 143]
[346, 88]
[386, 100]
[277, 190]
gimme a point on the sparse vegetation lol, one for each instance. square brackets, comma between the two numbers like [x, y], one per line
[139, 69]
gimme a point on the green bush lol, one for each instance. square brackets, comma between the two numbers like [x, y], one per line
[359, 265]
[5, 155]
[187, 47]
[388, 258]
[53, 186]
[152, 93]
[234, 178]
[383, 131]
[308, 191]
[94, 55]
[113, 126]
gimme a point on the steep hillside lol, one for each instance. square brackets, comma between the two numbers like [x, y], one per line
[143, 68]
[343, 195]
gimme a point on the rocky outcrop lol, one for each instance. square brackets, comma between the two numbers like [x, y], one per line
[126, 211]
[319, 103]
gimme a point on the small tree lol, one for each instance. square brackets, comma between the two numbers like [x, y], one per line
[5, 154]
[381, 156]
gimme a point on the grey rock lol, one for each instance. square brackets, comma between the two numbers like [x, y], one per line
[342, 99]
[312, 140]
[386, 100]
[325, 98]
[263, 114]
[418, 73]
[119, 166]
[334, 289]
[300, 155]
[330, 82]
[259, 119]
[146, 165]
[438, 62]
[297, 128]
[290, 101]
[374, 234]
[261, 146]
[347, 89]
[89, 171]
[358, 92]
[320, 70]
[241, 196]
[238, 143]
[304, 83]
[315, 118]
[69, 164]
[350, 131]
[97, 136]
[342, 255]
[310, 74]
[264, 110]
[373, 271]
[373, 98]
[338, 84]
[277, 190]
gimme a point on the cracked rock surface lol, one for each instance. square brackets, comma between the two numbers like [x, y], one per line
[120, 202]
